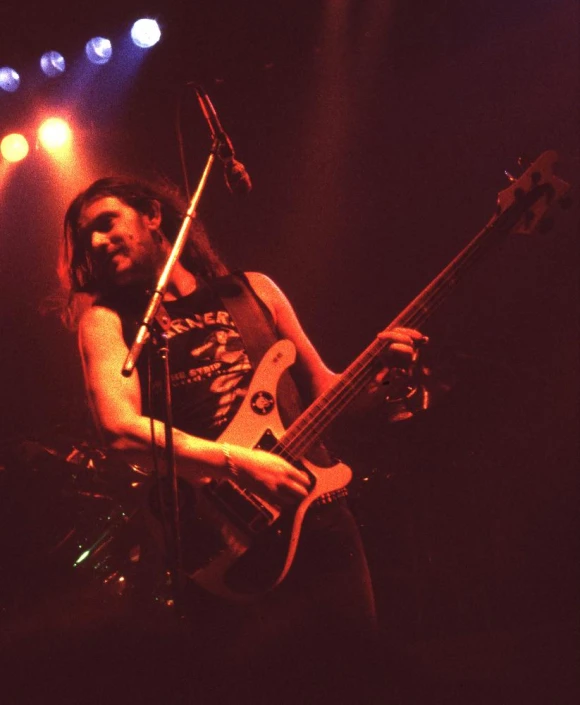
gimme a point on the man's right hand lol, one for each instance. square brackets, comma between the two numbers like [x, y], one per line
[267, 475]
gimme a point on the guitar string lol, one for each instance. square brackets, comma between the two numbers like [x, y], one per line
[308, 427]
[351, 385]
[422, 307]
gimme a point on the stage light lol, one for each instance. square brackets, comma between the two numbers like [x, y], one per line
[52, 63]
[54, 134]
[145, 33]
[98, 50]
[9, 79]
[14, 147]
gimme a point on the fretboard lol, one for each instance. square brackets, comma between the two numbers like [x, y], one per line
[309, 426]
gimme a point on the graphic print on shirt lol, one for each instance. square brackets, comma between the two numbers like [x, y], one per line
[217, 362]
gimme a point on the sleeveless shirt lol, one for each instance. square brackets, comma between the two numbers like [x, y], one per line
[209, 367]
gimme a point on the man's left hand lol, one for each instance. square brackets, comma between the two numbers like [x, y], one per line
[403, 349]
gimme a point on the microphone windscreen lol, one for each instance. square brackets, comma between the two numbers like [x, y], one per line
[237, 178]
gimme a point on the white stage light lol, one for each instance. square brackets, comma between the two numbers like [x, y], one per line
[9, 79]
[98, 50]
[52, 63]
[145, 33]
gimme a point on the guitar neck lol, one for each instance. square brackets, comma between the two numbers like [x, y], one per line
[309, 426]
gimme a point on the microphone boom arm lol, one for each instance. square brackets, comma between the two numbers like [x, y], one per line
[172, 259]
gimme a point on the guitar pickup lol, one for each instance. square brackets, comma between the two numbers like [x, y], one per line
[245, 509]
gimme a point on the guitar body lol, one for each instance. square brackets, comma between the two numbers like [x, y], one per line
[242, 545]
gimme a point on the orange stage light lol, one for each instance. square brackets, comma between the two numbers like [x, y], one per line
[14, 147]
[54, 134]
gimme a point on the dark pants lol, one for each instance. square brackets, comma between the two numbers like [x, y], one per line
[312, 636]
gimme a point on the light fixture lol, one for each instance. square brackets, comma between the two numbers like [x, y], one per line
[52, 63]
[9, 79]
[54, 133]
[14, 147]
[145, 33]
[98, 50]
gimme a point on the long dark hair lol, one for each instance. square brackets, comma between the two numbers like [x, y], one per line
[76, 270]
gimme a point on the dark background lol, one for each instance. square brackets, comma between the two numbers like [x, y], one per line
[377, 135]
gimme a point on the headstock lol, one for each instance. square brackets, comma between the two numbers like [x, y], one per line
[527, 202]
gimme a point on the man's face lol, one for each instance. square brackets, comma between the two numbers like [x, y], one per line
[124, 245]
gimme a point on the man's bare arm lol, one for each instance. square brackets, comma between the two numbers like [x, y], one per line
[400, 353]
[116, 405]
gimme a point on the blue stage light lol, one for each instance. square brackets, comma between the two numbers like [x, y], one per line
[145, 33]
[52, 63]
[9, 79]
[98, 50]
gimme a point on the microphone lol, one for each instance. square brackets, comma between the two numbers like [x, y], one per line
[237, 178]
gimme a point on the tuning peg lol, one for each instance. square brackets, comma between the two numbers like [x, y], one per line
[524, 161]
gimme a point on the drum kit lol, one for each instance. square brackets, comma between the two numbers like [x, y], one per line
[75, 530]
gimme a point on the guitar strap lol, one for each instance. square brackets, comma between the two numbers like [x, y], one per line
[256, 327]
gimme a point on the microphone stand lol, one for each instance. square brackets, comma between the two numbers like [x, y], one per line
[153, 326]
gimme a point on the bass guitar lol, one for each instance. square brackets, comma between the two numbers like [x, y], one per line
[245, 546]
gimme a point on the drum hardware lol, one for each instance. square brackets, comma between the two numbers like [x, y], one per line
[75, 513]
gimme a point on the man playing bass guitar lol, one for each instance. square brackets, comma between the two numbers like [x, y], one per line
[315, 626]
